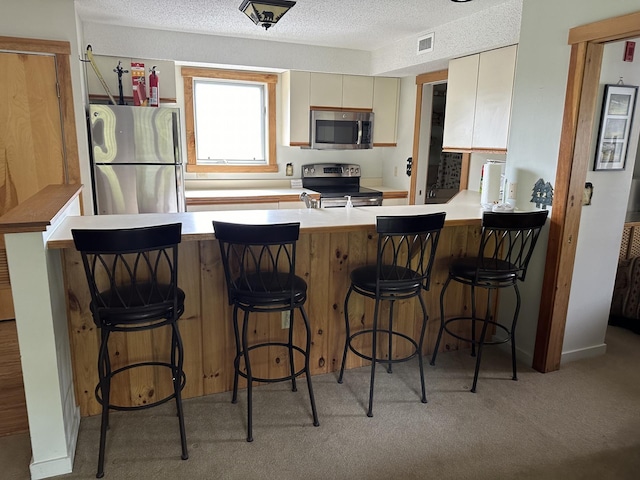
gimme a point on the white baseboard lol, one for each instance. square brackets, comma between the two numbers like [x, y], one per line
[59, 466]
[582, 353]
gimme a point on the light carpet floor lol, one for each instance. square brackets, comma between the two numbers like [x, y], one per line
[581, 422]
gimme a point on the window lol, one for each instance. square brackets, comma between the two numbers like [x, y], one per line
[230, 119]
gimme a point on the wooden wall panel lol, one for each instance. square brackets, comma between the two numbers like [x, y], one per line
[324, 260]
[13, 408]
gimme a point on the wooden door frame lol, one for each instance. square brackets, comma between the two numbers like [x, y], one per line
[433, 77]
[587, 46]
[61, 50]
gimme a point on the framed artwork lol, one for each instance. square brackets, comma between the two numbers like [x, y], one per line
[615, 125]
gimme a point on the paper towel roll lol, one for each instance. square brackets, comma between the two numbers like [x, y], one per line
[491, 183]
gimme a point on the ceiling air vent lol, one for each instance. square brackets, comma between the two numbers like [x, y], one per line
[425, 43]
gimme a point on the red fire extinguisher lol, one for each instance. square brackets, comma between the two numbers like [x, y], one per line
[154, 89]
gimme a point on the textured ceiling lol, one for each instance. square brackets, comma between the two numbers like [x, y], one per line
[354, 24]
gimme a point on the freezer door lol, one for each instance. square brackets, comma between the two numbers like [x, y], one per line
[122, 189]
[124, 134]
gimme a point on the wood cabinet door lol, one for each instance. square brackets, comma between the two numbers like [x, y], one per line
[32, 152]
[461, 103]
[496, 72]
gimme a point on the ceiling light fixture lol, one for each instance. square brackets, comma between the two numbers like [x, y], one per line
[460, 1]
[266, 12]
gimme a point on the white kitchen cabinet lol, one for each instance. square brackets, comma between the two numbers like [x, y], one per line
[295, 108]
[387, 202]
[232, 206]
[325, 90]
[386, 96]
[303, 90]
[493, 100]
[357, 91]
[478, 108]
[462, 86]
[343, 91]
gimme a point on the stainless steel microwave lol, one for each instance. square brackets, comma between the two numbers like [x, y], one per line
[341, 130]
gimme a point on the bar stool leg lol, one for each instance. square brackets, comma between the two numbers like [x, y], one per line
[104, 372]
[247, 364]
[473, 320]
[420, 343]
[374, 347]
[390, 350]
[307, 370]
[513, 332]
[483, 335]
[177, 363]
[292, 370]
[348, 334]
[236, 361]
[441, 330]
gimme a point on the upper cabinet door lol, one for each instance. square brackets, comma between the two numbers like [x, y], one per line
[295, 108]
[461, 102]
[386, 95]
[357, 91]
[493, 99]
[326, 90]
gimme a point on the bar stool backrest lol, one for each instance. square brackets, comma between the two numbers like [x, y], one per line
[258, 260]
[406, 250]
[507, 243]
[132, 274]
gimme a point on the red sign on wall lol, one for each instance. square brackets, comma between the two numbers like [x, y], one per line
[629, 48]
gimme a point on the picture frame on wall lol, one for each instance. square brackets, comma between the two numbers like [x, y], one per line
[618, 106]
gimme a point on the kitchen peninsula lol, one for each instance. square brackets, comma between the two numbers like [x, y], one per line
[59, 341]
[332, 243]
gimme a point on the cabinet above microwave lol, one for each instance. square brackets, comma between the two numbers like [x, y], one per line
[302, 91]
[341, 129]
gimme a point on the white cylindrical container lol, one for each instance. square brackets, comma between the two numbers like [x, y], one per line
[491, 184]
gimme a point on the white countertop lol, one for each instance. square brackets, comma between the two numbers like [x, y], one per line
[464, 208]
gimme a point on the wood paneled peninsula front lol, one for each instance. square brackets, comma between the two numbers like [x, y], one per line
[332, 243]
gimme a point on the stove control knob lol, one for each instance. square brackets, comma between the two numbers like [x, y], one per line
[357, 171]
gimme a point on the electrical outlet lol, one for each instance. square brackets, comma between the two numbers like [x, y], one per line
[395, 171]
[511, 193]
[285, 320]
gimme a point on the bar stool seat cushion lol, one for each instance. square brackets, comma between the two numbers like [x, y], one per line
[273, 288]
[399, 278]
[145, 303]
[491, 269]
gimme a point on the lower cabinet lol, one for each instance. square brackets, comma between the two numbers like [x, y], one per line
[387, 202]
[232, 206]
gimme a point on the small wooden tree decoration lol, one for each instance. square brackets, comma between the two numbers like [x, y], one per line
[542, 194]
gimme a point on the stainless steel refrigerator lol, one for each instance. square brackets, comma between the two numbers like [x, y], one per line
[136, 161]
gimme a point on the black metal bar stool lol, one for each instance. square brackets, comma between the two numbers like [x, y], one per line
[405, 255]
[506, 246]
[259, 265]
[132, 276]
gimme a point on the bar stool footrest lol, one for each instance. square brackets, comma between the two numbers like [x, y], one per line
[384, 360]
[499, 341]
[172, 395]
[236, 363]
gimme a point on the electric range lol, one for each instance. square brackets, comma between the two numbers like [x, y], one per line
[337, 181]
